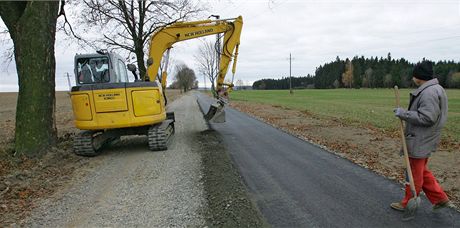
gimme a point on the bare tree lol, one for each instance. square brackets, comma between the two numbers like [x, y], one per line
[128, 25]
[185, 77]
[7, 45]
[239, 84]
[388, 80]
[369, 78]
[453, 79]
[207, 59]
[336, 84]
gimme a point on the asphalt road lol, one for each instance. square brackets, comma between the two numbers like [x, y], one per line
[298, 184]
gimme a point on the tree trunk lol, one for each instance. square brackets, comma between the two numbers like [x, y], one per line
[32, 27]
[141, 62]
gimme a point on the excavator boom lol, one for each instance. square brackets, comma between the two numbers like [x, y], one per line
[166, 36]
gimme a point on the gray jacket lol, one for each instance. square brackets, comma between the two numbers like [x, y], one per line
[425, 118]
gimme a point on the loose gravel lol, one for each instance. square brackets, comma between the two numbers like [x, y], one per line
[128, 185]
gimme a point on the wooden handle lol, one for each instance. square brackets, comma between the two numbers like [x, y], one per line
[397, 97]
[406, 153]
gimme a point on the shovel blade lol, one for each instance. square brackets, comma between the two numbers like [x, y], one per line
[216, 114]
[411, 209]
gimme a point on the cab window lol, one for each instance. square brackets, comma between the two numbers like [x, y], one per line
[93, 70]
[123, 76]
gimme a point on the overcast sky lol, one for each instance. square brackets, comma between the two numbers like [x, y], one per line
[315, 32]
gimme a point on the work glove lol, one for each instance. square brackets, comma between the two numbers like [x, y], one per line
[399, 112]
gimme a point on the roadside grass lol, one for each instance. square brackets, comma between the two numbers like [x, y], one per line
[353, 106]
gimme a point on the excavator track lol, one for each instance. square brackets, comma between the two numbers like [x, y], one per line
[159, 135]
[83, 144]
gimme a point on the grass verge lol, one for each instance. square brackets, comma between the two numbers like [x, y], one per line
[353, 106]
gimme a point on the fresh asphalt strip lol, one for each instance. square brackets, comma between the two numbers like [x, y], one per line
[298, 184]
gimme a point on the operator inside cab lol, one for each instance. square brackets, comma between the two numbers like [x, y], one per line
[93, 70]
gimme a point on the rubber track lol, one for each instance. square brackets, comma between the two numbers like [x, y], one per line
[158, 137]
[83, 144]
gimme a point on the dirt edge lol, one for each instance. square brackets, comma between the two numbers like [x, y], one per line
[31, 180]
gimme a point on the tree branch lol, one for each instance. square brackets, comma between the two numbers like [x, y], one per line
[113, 42]
[131, 27]
[128, 24]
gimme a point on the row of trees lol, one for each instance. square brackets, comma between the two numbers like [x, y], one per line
[283, 83]
[364, 72]
[380, 72]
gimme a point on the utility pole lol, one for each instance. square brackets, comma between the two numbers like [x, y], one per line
[68, 81]
[204, 80]
[290, 75]
[217, 47]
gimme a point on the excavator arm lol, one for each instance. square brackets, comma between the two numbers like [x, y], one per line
[165, 37]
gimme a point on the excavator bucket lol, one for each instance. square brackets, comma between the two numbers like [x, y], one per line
[216, 114]
[219, 117]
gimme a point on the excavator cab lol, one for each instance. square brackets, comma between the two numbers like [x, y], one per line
[100, 68]
[108, 104]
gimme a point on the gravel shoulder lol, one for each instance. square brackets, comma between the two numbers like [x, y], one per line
[128, 185]
[194, 183]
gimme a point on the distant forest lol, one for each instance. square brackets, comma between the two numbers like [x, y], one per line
[364, 72]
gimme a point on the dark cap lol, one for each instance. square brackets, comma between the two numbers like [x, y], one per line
[423, 71]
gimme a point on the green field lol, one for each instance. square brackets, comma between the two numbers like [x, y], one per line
[353, 106]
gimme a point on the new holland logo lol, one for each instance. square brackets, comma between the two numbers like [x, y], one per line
[198, 32]
[109, 96]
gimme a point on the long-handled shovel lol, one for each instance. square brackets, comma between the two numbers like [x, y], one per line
[414, 202]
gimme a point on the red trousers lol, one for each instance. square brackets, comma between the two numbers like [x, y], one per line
[424, 180]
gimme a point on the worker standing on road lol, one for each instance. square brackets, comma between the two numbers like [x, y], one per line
[425, 118]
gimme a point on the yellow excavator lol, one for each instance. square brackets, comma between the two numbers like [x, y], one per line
[107, 105]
